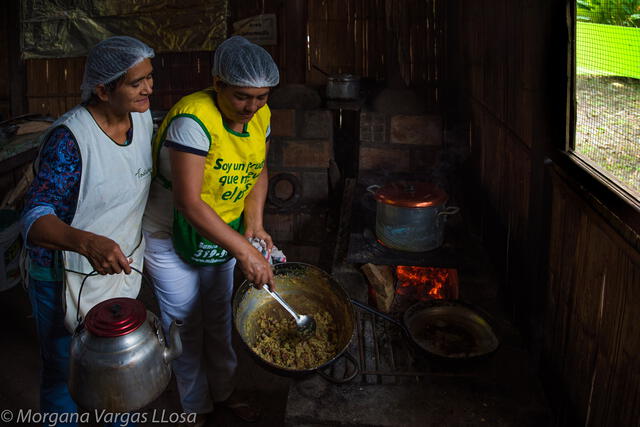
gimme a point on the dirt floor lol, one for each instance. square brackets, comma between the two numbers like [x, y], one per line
[608, 126]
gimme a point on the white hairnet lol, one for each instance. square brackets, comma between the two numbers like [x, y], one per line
[110, 59]
[239, 62]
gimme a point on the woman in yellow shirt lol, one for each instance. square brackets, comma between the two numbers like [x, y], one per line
[206, 201]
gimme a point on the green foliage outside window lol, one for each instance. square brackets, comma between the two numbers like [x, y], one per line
[607, 132]
[625, 13]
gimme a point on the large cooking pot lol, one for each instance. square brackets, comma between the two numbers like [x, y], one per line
[306, 288]
[411, 215]
[120, 359]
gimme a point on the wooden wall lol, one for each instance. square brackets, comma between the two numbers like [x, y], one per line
[381, 40]
[570, 268]
[591, 342]
[346, 37]
[53, 85]
[397, 42]
[367, 37]
[4, 64]
[491, 77]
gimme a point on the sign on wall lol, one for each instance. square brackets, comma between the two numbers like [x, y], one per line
[260, 29]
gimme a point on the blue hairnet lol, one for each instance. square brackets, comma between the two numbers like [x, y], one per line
[239, 62]
[110, 59]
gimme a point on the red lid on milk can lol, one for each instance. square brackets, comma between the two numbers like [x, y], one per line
[115, 317]
[411, 194]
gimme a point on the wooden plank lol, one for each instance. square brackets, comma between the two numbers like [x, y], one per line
[578, 368]
[16, 64]
[38, 105]
[554, 324]
[611, 388]
[382, 280]
[74, 71]
[493, 73]
[56, 83]
[59, 106]
[376, 65]
[358, 46]
[161, 99]
[517, 190]
[591, 273]
[336, 62]
[294, 43]
[515, 57]
[331, 10]
[562, 252]
[36, 77]
[315, 34]
[598, 277]
[5, 81]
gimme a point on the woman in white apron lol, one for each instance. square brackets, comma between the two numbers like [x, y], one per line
[84, 210]
[206, 201]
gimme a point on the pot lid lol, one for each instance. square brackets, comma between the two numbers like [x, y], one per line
[115, 317]
[411, 194]
[344, 77]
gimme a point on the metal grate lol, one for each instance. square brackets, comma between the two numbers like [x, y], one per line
[383, 352]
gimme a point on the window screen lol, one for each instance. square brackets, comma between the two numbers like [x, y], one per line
[607, 133]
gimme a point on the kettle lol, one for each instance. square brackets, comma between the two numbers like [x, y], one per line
[119, 357]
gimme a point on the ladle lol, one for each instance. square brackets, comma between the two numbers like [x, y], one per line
[305, 323]
[321, 70]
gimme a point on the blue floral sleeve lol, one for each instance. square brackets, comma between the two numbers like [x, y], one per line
[54, 189]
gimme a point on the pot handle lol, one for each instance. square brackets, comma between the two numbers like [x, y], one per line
[372, 188]
[321, 70]
[377, 313]
[348, 376]
[451, 210]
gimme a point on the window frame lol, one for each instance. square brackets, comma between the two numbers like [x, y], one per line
[613, 201]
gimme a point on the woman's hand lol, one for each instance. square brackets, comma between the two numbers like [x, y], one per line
[255, 268]
[260, 234]
[105, 255]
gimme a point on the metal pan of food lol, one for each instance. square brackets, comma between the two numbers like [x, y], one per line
[445, 329]
[270, 334]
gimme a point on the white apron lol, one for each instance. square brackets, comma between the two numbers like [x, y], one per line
[113, 192]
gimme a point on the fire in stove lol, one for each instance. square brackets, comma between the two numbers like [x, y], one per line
[424, 283]
[395, 288]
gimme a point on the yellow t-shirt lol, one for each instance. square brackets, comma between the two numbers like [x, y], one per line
[232, 166]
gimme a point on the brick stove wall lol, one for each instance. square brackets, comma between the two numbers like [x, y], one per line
[399, 143]
[301, 145]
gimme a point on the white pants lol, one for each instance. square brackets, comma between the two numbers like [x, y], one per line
[201, 298]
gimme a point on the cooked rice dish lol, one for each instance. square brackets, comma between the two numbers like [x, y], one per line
[279, 341]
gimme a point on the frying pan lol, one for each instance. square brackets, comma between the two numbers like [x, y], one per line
[446, 329]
